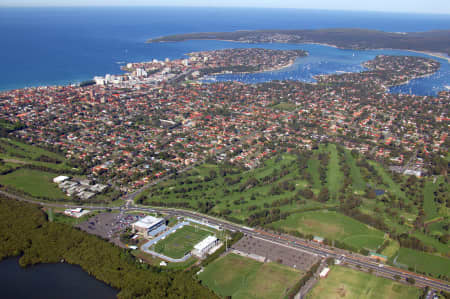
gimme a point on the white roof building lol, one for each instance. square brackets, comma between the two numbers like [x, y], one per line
[60, 179]
[147, 222]
[202, 248]
[149, 226]
[324, 272]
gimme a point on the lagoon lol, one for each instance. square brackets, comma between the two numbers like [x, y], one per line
[50, 281]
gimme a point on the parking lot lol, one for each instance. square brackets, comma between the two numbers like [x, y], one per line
[276, 253]
[109, 225]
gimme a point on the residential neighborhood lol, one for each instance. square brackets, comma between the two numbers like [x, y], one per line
[133, 136]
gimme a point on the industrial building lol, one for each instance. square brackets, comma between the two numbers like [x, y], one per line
[149, 226]
[203, 247]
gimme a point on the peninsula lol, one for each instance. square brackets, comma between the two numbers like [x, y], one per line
[345, 38]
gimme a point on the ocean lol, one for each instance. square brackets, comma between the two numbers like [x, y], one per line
[58, 46]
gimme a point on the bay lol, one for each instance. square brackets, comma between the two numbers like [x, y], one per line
[58, 46]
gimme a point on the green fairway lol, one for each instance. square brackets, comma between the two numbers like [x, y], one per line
[287, 185]
[387, 180]
[334, 175]
[335, 226]
[347, 283]
[355, 173]
[429, 205]
[177, 244]
[313, 168]
[242, 278]
[424, 262]
[34, 182]
[237, 193]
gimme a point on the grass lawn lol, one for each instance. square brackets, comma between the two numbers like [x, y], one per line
[242, 278]
[391, 249]
[443, 248]
[28, 154]
[177, 244]
[333, 225]
[424, 262]
[285, 106]
[437, 228]
[154, 261]
[34, 182]
[348, 283]
[61, 218]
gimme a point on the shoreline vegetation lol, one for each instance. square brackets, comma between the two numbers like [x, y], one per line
[431, 42]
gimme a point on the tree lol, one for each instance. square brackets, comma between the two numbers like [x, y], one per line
[410, 280]
[330, 261]
[324, 195]
[364, 251]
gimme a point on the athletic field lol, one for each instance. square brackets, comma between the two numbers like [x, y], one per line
[243, 278]
[347, 283]
[177, 244]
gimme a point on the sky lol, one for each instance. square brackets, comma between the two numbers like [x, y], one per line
[406, 6]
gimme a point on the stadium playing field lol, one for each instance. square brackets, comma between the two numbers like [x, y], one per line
[347, 283]
[240, 277]
[177, 244]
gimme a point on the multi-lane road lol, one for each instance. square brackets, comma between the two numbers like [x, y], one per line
[322, 251]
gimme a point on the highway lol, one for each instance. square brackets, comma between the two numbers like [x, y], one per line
[285, 240]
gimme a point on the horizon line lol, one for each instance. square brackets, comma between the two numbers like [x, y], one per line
[225, 7]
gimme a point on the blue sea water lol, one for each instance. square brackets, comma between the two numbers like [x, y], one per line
[53, 46]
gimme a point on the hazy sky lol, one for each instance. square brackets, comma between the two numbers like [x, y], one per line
[415, 6]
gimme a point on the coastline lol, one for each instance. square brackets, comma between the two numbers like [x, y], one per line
[434, 54]
[274, 69]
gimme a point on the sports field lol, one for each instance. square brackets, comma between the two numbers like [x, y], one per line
[347, 283]
[177, 244]
[242, 278]
[335, 226]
